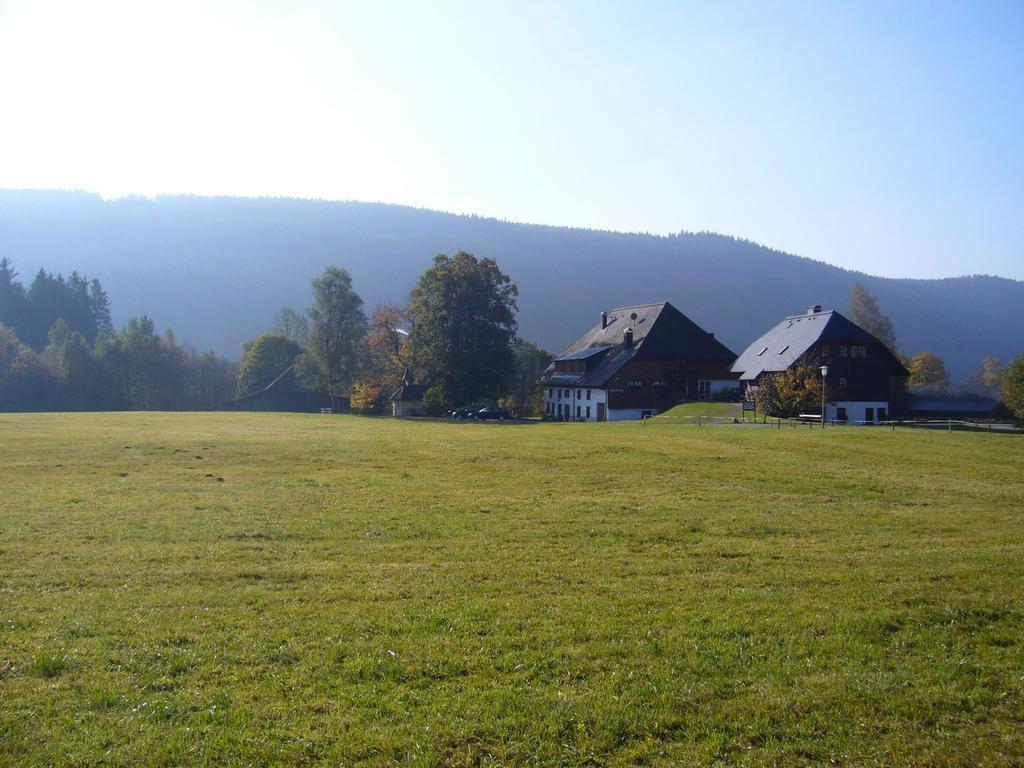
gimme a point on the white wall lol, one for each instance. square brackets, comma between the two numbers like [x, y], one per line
[596, 396]
[855, 410]
[407, 408]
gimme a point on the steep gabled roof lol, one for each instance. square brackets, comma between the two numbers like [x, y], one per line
[410, 392]
[784, 344]
[285, 379]
[660, 332]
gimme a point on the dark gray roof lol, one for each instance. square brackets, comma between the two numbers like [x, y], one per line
[582, 354]
[410, 392]
[660, 332]
[783, 345]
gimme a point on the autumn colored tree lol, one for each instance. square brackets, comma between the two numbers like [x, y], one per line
[386, 359]
[927, 369]
[1012, 386]
[791, 392]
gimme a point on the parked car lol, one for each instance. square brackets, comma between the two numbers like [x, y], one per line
[491, 413]
[465, 411]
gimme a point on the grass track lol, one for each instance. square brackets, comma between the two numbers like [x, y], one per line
[377, 592]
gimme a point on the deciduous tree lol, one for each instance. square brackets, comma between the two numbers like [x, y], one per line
[1012, 385]
[265, 357]
[337, 326]
[292, 325]
[387, 357]
[864, 312]
[526, 396]
[927, 369]
[462, 327]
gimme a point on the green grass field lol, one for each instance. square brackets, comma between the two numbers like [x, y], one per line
[707, 411]
[252, 589]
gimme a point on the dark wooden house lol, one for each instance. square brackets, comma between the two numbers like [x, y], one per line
[637, 361]
[864, 376]
[286, 393]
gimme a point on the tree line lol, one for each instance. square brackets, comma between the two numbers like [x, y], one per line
[60, 352]
[457, 335]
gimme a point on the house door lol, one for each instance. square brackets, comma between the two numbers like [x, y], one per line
[869, 415]
[602, 412]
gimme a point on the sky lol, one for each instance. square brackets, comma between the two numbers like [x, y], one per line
[882, 137]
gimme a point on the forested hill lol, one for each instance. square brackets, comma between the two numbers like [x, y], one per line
[216, 270]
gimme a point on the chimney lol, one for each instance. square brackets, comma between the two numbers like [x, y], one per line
[814, 309]
[604, 320]
[627, 338]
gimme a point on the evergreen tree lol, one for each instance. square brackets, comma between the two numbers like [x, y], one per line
[864, 311]
[100, 309]
[12, 296]
[463, 326]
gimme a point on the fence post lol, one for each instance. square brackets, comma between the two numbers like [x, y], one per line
[950, 428]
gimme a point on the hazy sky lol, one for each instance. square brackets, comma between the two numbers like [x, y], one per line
[886, 137]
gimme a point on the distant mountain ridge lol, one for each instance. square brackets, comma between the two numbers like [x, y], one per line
[216, 270]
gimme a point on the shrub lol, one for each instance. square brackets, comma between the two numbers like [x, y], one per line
[433, 401]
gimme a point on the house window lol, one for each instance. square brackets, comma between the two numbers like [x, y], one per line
[577, 411]
[660, 384]
[634, 384]
[549, 392]
[842, 350]
[842, 382]
[588, 396]
[840, 414]
[883, 414]
[559, 394]
[567, 395]
[824, 350]
[858, 351]
[588, 411]
[869, 414]
[703, 388]
[579, 395]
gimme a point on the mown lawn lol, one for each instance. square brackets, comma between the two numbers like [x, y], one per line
[235, 589]
[706, 410]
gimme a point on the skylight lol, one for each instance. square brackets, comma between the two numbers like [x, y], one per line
[784, 349]
[762, 351]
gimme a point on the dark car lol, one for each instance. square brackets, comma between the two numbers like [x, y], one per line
[490, 413]
[464, 411]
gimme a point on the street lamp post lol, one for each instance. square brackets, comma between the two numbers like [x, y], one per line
[824, 374]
